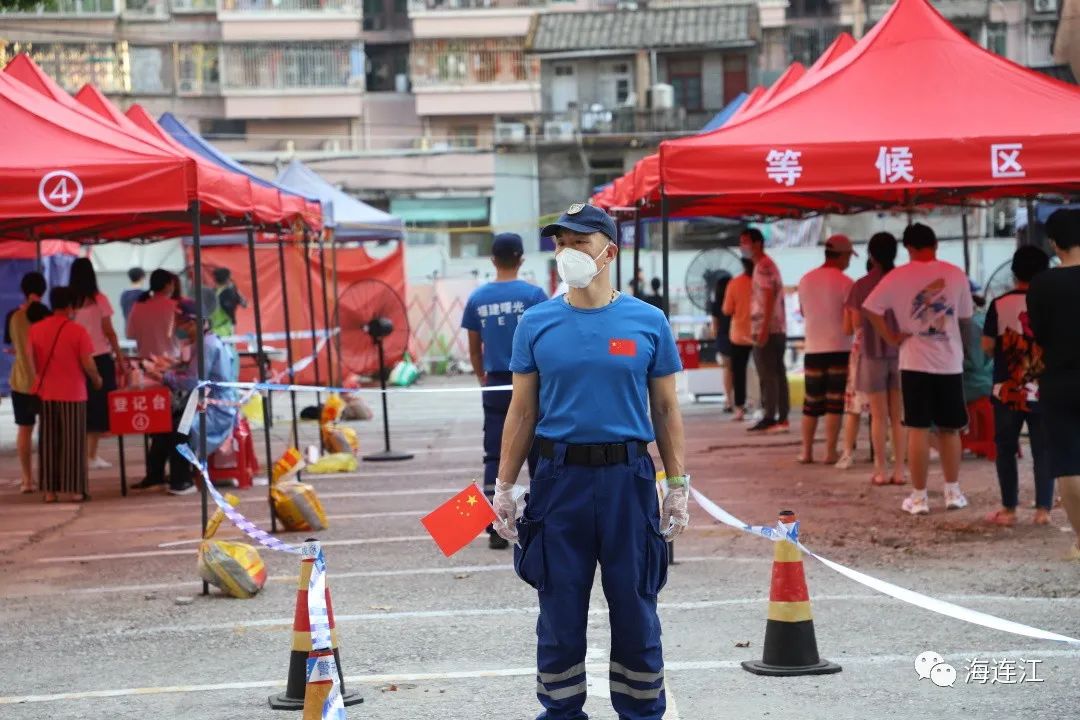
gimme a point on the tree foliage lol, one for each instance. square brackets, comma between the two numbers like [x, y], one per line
[17, 5]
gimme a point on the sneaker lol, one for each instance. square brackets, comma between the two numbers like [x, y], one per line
[740, 415]
[845, 462]
[146, 484]
[916, 505]
[779, 427]
[99, 463]
[954, 499]
[497, 542]
[188, 489]
[762, 425]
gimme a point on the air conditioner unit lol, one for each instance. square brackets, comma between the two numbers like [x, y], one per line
[510, 132]
[559, 130]
[661, 97]
[1045, 6]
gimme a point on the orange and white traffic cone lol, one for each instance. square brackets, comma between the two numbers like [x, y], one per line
[790, 644]
[296, 689]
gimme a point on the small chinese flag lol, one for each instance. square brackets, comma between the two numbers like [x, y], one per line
[619, 346]
[458, 521]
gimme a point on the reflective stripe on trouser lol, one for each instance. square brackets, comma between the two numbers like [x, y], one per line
[577, 517]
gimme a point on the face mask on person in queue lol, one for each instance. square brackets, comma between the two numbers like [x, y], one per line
[576, 268]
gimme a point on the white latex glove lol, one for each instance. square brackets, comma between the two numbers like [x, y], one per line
[675, 515]
[506, 511]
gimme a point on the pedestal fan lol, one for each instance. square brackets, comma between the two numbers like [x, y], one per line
[374, 328]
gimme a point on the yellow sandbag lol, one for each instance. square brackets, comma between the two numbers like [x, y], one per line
[340, 439]
[331, 410]
[215, 520]
[235, 568]
[297, 506]
[290, 463]
[253, 410]
[334, 463]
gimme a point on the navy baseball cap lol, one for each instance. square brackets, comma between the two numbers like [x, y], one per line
[583, 218]
[507, 245]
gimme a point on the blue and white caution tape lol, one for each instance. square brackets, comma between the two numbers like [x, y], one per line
[279, 387]
[246, 526]
[790, 533]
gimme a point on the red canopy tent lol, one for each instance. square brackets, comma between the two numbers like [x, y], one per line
[63, 168]
[914, 113]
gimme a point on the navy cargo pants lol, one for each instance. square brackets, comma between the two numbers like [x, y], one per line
[495, 406]
[575, 517]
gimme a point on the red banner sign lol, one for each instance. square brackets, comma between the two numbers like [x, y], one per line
[140, 411]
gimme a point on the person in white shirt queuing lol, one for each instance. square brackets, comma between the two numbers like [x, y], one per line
[822, 293]
[930, 300]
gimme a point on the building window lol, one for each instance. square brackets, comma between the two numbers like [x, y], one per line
[387, 68]
[470, 62]
[604, 170]
[616, 84]
[151, 71]
[293, 65]
[805, 44]
[684, 74]
[73, 65]
[1041, 47]
[71, 7]
[464, 136]
[224, 129]
[197, 69]
[735, 80]
[290, 6]
[996, 38]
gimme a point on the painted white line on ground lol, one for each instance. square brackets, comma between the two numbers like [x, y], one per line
[525, 671]
[192, 551]
[417, 514]
[451, 490]
[672, 712]
[461, 613]
[442, 570]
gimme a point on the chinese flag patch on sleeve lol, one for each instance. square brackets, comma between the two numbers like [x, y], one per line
[618, 346]
[458, 521]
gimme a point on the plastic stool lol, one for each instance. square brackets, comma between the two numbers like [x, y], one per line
[235, 462]
[978, 437]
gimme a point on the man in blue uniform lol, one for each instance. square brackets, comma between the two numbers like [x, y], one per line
[491, 316]
[589, 368]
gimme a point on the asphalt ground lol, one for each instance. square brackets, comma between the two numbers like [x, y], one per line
[103, 618]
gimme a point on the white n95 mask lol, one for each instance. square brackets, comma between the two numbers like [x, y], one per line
[577, 269]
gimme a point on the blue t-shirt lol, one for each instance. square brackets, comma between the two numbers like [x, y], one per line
[594, 367]
[493, 311]
[128, 298]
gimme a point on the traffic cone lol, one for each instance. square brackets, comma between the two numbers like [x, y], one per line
[293, 697]
[790, 645]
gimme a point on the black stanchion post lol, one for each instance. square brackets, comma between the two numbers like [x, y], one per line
[261, 362]
[964, 229]
[288, 338]
[200, 360]
[378, 329]
[637, 252]
[664, 252]
[326, 314]
[306, 249]
[618, 255]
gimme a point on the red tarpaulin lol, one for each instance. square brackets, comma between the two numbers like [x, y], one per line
[353, 265]
[61, 166]
[914, 113]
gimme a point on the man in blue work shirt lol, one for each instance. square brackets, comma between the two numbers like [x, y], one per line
[589, 369]
[491, 316]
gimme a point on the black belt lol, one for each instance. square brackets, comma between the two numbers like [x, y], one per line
[593, 455]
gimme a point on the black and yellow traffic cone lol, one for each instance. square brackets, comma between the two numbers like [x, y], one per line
[293, 697]
[790, 645]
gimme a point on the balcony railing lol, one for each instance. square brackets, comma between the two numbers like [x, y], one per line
[197, 69]
[416, 6]
[596, 123]
[479, 62]
[193, 6]
[70, 7]
[351, 7]
[146, 9]
[73, 65]
[293, 66]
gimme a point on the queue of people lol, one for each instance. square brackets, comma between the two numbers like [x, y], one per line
[76, 338]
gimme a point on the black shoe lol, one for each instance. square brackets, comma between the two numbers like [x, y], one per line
[147, 483]
[498, 542]
[762, 425]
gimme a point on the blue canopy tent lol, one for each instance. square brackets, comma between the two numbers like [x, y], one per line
[721, 118]
[349, 218]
